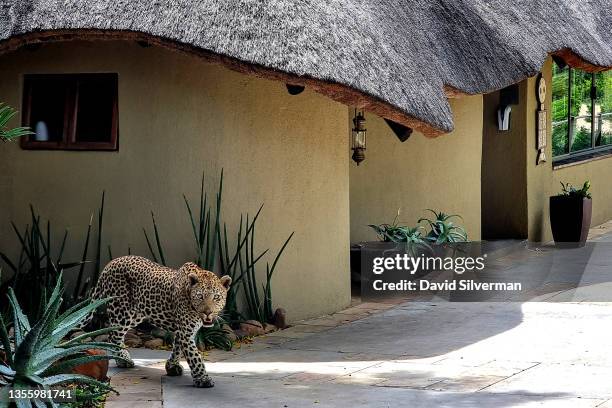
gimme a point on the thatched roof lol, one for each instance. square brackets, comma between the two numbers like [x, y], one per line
[400, 59]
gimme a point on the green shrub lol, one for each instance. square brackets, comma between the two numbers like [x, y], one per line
[39, 357]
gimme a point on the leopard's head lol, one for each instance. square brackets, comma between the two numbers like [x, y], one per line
[206, 292]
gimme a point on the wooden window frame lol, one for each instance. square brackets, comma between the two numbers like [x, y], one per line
[69, 141]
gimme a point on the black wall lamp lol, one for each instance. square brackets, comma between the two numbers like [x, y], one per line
[358, 137]
[294, 89]
[402, 132]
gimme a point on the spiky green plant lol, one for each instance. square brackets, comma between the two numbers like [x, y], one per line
[6, 133]
[39, 357]
[443, 229]
[40, 261]
[206, 238]
[215, 337]
[569, 190]
[259, 305]
[395, 232]
[158, 257]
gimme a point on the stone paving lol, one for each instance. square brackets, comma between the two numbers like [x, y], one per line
[400, 354]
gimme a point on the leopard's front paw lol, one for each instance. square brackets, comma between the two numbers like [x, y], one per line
[203, 382]
[174, 369]
[125, 363]
[124, 360]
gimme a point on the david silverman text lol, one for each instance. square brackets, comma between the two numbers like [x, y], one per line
[463, 284]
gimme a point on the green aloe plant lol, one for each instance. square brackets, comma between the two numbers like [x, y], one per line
[6, 133]
[40, 357]
[443, 229]
[397, 233]
[569, 190]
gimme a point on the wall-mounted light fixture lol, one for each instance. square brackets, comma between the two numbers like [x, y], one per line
[358, 137]
[294, 89]
[402, 132]
[507, 96]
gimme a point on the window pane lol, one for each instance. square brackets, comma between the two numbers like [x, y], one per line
[580, 110]
[560, 80]
[48, 104]
[603, 108]
[96, 96]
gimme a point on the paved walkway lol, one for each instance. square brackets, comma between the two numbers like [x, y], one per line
[413, 354]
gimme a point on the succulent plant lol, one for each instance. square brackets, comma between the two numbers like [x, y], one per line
[569, 190]
[443, 230]
[397, 233]
[39, 357]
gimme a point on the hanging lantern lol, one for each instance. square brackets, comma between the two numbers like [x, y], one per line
[358, 137]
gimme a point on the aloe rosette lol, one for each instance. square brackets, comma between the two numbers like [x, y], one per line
[39, 357]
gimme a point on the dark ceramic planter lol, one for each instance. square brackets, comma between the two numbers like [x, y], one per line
[570, 218]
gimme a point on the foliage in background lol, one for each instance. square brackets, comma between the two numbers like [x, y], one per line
[238, 261]
[569, 190]
[215, 337]
[41, 262]
[581, 103]
[258, 304]
[41, 358]
[443, 229]
[6, 133]
[397, 233]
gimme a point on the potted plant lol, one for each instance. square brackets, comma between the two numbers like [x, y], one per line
[570, 214]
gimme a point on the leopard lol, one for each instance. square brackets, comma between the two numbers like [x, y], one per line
[180, 301]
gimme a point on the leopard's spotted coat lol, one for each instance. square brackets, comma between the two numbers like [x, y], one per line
[180, 301]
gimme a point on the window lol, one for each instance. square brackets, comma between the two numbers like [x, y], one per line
[581, 112]
[71, 112]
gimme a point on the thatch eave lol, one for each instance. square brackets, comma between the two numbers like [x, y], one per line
[397, 59]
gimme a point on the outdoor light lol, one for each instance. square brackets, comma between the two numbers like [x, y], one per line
[358, 137]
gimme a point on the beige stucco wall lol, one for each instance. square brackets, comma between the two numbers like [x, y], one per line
[516, 190]
[540, 184]
[441, 174]
[178, 116]
[544, 180]
[599, 172]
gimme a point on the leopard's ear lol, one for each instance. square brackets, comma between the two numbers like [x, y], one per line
[193, 279]
[226, 281]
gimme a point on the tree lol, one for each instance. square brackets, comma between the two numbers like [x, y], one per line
[6, 133]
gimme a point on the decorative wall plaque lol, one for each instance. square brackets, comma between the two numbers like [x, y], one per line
[541, 125]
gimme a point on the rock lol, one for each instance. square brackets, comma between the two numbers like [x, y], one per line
[280, 318]
[154, 343]
[102, 338]
[72, 336]
[160, 333]
[252, 328]
[239, 333]
[269, 328]
[96, 369]
[132, 334]
[133, 342]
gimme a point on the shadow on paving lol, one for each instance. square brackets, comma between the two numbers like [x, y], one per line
[247, 393]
